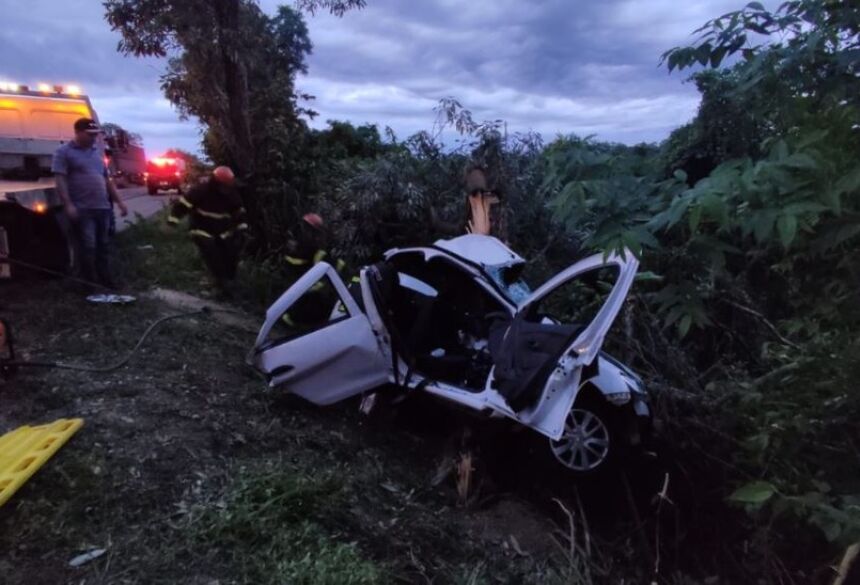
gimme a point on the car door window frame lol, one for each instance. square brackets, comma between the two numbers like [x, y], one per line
[304, 284]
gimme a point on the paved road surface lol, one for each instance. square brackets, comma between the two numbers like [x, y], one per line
[140, 202]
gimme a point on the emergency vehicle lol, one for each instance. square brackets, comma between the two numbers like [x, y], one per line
[34, 122]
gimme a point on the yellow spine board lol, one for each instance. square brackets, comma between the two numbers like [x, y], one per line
[26, 449]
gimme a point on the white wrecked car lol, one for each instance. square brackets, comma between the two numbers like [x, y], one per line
[454, 320]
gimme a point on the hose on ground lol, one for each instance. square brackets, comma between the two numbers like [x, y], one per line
[126, 359]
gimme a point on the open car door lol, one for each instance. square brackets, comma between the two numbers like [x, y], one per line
[334, 356]
[540, 355]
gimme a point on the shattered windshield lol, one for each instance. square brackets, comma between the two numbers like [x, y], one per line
[507, 278]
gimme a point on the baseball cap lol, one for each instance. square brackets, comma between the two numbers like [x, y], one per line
[87, 125]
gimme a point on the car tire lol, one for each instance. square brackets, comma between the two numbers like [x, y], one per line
[152, 190]
[591, 441]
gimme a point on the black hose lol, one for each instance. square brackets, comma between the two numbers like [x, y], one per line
[11, 260]
[119, 364]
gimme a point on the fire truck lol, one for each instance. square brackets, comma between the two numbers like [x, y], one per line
[34, 122]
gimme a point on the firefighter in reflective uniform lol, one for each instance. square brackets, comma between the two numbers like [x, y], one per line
[303, 253]
[216, 223]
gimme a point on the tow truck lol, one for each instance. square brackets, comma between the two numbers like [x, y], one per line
[34, 122]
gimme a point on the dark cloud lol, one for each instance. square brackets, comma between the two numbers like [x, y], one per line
[556, 66]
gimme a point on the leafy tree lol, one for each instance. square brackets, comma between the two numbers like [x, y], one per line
[336, 7]
[234, 68]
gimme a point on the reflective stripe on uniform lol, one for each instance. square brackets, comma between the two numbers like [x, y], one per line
[318, 286]
[340, 264]
[226, 234]
[186, 202]
[286, 319]
[212, 214]
[296, 261]
[319, 256]
[356, 279]
[242, 226]
[172, 219]
[200, 233]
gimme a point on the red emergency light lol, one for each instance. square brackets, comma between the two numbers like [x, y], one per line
[162, 162]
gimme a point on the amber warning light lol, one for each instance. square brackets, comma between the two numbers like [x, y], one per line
[43, 88]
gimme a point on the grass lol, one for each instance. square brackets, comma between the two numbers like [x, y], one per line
[279, 523]
[152, 253]
[155, 254]
[266, 531]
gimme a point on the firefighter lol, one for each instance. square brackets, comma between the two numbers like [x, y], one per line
[303, 253]
[217, 224]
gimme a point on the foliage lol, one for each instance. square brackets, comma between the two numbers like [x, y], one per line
[232, 66]
[750, 215]
[336, 7]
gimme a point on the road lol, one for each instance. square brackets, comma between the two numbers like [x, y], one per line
[139, 202]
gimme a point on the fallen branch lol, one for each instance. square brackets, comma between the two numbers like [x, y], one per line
[776, 374]
[764, 320]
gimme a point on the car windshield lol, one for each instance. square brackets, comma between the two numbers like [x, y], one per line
[507, 279]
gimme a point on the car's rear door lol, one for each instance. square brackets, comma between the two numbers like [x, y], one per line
[552, 404]
[325, 361]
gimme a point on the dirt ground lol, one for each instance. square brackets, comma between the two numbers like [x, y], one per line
[168, 436]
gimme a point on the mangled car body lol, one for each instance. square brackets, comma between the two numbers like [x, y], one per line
[455, 321]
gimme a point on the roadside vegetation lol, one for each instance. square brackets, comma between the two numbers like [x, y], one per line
[745, 319]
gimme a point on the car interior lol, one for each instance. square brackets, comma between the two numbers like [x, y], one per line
[441, 316]
[450, 329]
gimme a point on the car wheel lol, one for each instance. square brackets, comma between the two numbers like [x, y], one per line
[152, 190]
[588, 443]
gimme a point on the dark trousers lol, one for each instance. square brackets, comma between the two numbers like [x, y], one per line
[221, 256]
[92, 230]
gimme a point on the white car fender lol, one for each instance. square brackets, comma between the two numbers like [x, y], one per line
[609, 379]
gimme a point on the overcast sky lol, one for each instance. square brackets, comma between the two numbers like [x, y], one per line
[554, 66]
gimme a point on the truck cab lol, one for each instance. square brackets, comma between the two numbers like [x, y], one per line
[34, 122]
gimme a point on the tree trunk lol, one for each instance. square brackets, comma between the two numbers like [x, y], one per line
[240, 142]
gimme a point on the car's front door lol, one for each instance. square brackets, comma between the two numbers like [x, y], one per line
[327, 350]
[552, 360]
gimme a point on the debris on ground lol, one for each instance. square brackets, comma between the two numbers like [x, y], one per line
[87, 557]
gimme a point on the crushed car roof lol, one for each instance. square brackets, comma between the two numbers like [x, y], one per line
[483, 250]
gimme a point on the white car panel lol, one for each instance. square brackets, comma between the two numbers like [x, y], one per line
[587, 344]
[332, 363]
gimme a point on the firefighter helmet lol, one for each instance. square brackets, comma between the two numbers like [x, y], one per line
[224, 175]
[314, 220]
